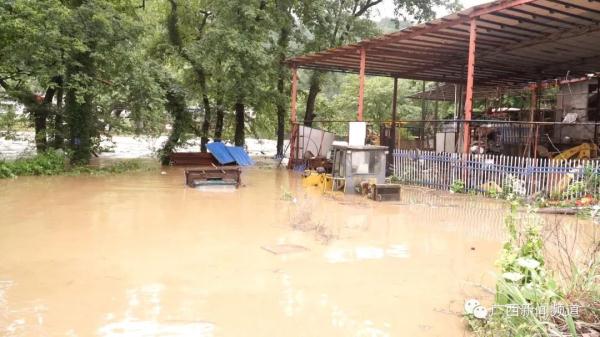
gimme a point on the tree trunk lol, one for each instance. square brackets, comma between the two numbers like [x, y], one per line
[282, 42]
[58, 141]
[281, 110]
[40, 116]
[207, 116]
[39, 122]
[239, 123]
[220, 118]
[313, 91]
[177, 108]
[80, 114]
[201, 76]
[177, 41]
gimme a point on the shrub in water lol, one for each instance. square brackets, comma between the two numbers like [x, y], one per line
[50, 162]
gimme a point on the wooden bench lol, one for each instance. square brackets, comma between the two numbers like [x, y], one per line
[213, 175]
[192, 158]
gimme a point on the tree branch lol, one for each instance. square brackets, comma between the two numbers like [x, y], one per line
[366, 6]
[4, 85]
[200, 27]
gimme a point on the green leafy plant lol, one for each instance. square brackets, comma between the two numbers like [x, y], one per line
[457, 186]
[55, 162]
[526, 282]
[46, 163]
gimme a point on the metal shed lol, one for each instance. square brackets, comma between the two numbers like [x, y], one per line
[504, 42]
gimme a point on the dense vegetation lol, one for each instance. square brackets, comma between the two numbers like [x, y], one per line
[548, 286]
[210, 69]
[54, 162]
[215, 69]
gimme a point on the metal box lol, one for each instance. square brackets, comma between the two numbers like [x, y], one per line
[355, 164]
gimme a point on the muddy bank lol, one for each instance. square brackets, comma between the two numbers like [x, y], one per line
[142, 255]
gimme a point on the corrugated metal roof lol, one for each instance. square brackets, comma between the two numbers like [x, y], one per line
[240, 156]
[447, 91]
[229, 154]
[517, 41]
[219, 150]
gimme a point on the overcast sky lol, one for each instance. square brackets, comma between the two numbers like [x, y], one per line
[386, 8]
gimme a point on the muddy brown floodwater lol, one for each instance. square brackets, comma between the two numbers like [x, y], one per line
[142, 255]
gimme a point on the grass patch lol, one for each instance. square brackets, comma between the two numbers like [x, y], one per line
[131, 165]
[43, 164]
[54, 162]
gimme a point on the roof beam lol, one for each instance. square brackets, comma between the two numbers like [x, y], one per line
[425, 29]
[505, 27]
[569, 5]
[535, 16]
[498, 7]
[494, 37]
[551, 69]
[520, 19]
[565, 13]
[511, 47]
[556, 36]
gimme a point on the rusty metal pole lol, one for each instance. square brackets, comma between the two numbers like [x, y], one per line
[470, 81]
[423, 117]
[532, 143]
[294, 93]
[361, 83]
[293, 119]
[392, 142]
[436, 116]
[597, 110]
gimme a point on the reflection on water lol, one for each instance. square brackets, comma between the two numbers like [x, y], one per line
[17, 321]
[144, 255]
[142, 318]
[153, 328]
[296, 303]
[351, 254]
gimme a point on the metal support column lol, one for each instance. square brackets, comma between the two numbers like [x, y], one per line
[423, 118]
[436, 108]
[597, 110]
[470, 82]
[361, 88]
[293, 119]
[392, 142]
[294, 93]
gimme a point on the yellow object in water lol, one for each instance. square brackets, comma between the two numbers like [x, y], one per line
[322, 180]
[327, 182]
[311, 178]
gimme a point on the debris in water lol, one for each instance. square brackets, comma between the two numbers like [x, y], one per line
[480, 312]
[213, 175]
[284, 249]
[470, 305]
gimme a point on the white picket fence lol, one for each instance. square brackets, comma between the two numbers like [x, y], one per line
[494, 174]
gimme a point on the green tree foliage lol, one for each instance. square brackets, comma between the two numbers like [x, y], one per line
[333, 23]
[341, 103]
[84, 69]
[82, 53]
[422, 10]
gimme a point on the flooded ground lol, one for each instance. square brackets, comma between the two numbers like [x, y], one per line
[142, 255]
[22, 144]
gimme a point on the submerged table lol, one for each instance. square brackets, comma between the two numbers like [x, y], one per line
[213, 175]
